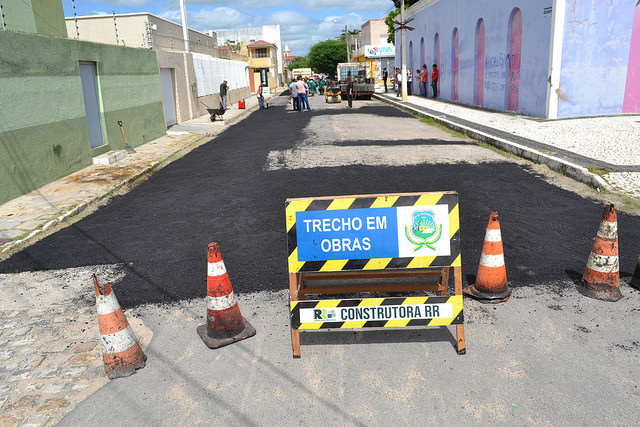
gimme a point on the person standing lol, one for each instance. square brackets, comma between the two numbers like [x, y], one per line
[293, 94]
[350, 92]
[424, 79]
[385, 76]
[312, 86]
[434, 80]
[302, 94]
[223, 94]
[409, 82]
[260, 97]
[398, 82]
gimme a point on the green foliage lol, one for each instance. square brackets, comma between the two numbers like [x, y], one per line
[325, 56]
[388, 20]
[350, 32]
[407, 3]
[234, 46]
[299, 62]
[391, 38]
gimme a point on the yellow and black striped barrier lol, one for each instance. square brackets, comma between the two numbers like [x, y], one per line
[373, 232]
[377, 313]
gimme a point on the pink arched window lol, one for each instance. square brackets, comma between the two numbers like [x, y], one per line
[455, 53]
[513, 64]
[479, 77]
[632, 88]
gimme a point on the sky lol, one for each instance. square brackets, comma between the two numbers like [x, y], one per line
[302, 23]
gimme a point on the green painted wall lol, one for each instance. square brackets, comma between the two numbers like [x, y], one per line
[18, 16]
[43, 129]
[49, 18]
[44, 17]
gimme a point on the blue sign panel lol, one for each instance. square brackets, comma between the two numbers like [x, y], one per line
[347, 234]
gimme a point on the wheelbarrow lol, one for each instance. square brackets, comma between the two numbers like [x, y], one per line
[216, 112]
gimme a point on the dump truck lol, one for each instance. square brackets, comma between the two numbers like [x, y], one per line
[363, 85]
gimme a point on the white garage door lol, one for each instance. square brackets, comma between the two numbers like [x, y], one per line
[168, 97]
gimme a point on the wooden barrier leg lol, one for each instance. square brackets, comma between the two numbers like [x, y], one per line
[445, 281]
[295, 334]
[457, 275]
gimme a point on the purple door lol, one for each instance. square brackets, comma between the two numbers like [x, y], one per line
[515, 50]
[631, 102]
[480, 62]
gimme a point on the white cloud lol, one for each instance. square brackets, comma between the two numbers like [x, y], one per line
[298, 28]
[348, 5]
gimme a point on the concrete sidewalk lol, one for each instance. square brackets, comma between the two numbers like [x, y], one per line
[28, 217]
[575, 147]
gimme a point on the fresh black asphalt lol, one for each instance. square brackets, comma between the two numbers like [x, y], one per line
[220, 192]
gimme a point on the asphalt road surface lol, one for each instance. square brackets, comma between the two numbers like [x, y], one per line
[232, 191]
[548, 356]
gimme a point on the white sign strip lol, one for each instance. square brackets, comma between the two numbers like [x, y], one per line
[492, 260]
[216, 268]
[119, 341]
[221, 303]
[106, 304]
[379, 312]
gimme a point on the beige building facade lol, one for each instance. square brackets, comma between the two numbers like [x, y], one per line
[183, 98]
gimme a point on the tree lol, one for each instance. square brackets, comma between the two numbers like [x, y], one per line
[325, 56]
[299, 62]
[391, 38]
[235, 46]
[350, 32]
[407, 3]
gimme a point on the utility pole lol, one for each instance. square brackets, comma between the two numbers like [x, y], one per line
[185, 28]
[346, 41]
[405, 81]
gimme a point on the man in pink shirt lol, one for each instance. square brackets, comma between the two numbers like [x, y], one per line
[303, 98]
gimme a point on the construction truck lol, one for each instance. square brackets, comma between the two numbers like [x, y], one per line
[363, 85]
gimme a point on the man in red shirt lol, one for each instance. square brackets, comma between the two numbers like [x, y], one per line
[434, 80]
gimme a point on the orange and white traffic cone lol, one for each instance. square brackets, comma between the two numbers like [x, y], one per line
[121, 352]
[635, 280]
[491, 280]
[225, 325]
[601, 278]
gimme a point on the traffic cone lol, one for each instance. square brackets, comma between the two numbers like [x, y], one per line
[225, 325]
[121, 352]
[635, 280]
[601, 278]
[491, 280]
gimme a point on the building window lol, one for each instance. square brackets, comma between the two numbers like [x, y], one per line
[261, 53]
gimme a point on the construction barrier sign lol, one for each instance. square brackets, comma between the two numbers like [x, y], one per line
[383, 237]
[373, 233]
[377, 312]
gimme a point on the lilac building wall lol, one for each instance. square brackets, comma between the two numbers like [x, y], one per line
[595, 58]
[443, 17]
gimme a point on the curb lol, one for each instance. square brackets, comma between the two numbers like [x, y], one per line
[576, 172]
